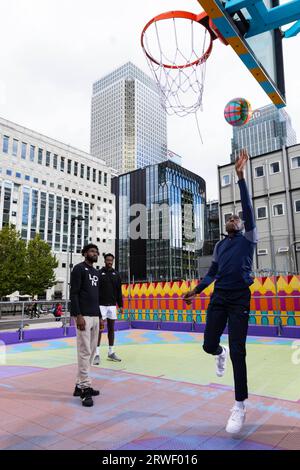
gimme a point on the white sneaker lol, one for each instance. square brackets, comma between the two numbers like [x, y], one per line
[221, 361]
[96, 361]
[236, 420]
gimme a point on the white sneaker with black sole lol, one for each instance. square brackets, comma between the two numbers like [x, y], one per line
[96, 361]
[113, 357]
[221, 361]
[236, 420]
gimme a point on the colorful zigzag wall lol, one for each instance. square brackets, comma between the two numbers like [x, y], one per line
[274, 299]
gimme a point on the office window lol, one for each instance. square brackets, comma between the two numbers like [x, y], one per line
[262, 251]
[5, 143]
[105, 179]
[27, 177]
[15, 147]
[99, 177]
[295, 162]
[278, 210]
[18, 175]
[94, 175]
[81, 171]
[225, 180]
[32, 153]
[88, 172]
[55, 161]
[9, 172]
[40, 156]
[259, 171]
[24, 150]
[75, 169]
[261, 212]
[62, 163]
[297, 206]
[227, 217]
[44, 182]
[35, 180]
[47, 158]
[274, 168]
[69, 167]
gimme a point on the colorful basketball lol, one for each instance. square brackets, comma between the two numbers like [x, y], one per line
[238, 112]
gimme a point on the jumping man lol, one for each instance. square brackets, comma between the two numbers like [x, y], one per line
[230, 302]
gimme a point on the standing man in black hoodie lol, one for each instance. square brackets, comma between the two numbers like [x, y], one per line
[110, 293]
[84, 296]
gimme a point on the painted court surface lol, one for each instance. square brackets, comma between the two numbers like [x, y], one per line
[163, 395]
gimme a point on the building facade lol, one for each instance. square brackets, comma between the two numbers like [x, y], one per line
[160, 223]
[44, 184]
[128, 123]
[269, 129]
[213, 226]
[274, 183]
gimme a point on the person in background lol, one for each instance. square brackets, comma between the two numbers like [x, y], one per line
[110, 292]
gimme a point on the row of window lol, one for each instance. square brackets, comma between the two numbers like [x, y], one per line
[54, 161]
[283, 249]
[59, 186]
[259, 171]
[262, 212]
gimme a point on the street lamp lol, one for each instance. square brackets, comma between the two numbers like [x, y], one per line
[73, 219]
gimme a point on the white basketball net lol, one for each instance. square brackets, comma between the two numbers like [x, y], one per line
[174, 44]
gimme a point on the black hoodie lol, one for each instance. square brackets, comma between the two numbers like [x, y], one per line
[110, 287]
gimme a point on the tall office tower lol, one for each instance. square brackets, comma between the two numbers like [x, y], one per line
[128, 123]
[268, 130]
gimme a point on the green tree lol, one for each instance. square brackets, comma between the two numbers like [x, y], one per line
[40, 266]
[12, 261]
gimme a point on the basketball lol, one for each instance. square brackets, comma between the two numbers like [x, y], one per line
[238, 112]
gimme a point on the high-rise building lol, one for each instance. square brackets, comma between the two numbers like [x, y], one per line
[269, 129]
[160, 226]
[128, 123]
[44, 186]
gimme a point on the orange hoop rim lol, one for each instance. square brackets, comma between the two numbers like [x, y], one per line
[202, 19]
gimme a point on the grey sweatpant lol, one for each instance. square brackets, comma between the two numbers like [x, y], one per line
[86, 350]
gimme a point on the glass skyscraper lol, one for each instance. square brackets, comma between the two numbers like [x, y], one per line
[268, 130]
[128, 123]
[168, 203]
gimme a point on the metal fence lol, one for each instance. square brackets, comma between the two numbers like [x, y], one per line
[18, 315]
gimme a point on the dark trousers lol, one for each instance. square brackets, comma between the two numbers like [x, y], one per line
[230, 306]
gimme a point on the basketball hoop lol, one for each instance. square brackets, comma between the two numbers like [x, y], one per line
[177, 45]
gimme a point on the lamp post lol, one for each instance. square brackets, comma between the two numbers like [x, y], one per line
[73, 219]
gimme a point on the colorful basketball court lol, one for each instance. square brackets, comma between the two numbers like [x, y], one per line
[163, 395]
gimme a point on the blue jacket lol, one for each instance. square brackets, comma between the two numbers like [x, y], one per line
[233, 256]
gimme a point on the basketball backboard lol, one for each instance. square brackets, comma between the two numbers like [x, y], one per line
[261, 53]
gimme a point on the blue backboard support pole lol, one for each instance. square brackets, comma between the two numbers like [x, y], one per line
[264, 19]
